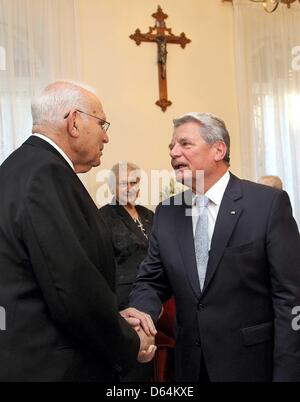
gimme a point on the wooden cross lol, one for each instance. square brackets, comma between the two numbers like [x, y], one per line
[161, 35]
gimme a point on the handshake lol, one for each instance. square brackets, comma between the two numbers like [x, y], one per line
[146, 331]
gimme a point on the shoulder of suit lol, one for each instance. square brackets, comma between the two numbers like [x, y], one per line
[259, 187]
[107, 209]
[144, 210]
[47, 170]
[260, 194]
[104, 207]
[182, 198]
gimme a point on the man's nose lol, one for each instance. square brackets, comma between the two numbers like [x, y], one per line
[175, 151]
[105, 138]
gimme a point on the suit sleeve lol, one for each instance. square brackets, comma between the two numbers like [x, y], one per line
[283, 248]
[151, 287]
[61, 246]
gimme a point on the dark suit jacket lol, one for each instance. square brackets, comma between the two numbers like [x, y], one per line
[56, 276]
[241, 321]
[130, 248]
[130, 245]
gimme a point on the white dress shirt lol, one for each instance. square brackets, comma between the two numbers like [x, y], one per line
[215, 195]
[43, 137]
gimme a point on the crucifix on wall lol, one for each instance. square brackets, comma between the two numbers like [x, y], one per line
[161, 35]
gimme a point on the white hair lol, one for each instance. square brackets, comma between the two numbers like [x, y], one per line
[213, 128]
[272, 181]
[57, 99]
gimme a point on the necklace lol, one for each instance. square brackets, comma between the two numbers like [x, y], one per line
[141, 226]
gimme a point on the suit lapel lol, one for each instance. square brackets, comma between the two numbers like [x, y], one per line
[185, 239]
[228, 216]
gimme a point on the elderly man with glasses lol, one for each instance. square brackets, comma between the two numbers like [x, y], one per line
[56, 258]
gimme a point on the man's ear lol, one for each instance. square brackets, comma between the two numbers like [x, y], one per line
[72, 124]
[220, 150]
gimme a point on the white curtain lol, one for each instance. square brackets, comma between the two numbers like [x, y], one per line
[39, 43]
[268, 71]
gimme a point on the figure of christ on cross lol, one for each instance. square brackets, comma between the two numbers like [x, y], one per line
[161, 35]
[162, 55]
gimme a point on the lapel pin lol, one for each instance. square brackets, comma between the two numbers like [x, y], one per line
[232, 212]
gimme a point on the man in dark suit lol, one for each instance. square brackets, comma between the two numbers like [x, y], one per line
[232, 263]
[56, 258]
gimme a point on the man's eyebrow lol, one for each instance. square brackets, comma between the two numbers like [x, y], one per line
[182, 139]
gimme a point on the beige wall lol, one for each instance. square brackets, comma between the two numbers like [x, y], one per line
[200, 78]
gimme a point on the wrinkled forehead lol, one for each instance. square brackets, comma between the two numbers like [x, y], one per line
[188, 131]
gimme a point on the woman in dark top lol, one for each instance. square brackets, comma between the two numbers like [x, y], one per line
[130, 225]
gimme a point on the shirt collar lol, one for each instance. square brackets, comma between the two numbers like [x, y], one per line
[47, 139]
[216, 192]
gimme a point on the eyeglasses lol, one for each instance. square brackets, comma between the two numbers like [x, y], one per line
[104, 124]
[129, 183]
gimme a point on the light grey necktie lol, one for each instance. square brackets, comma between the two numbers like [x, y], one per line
[201, 238]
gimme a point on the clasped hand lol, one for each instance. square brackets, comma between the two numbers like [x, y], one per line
[146, 331]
